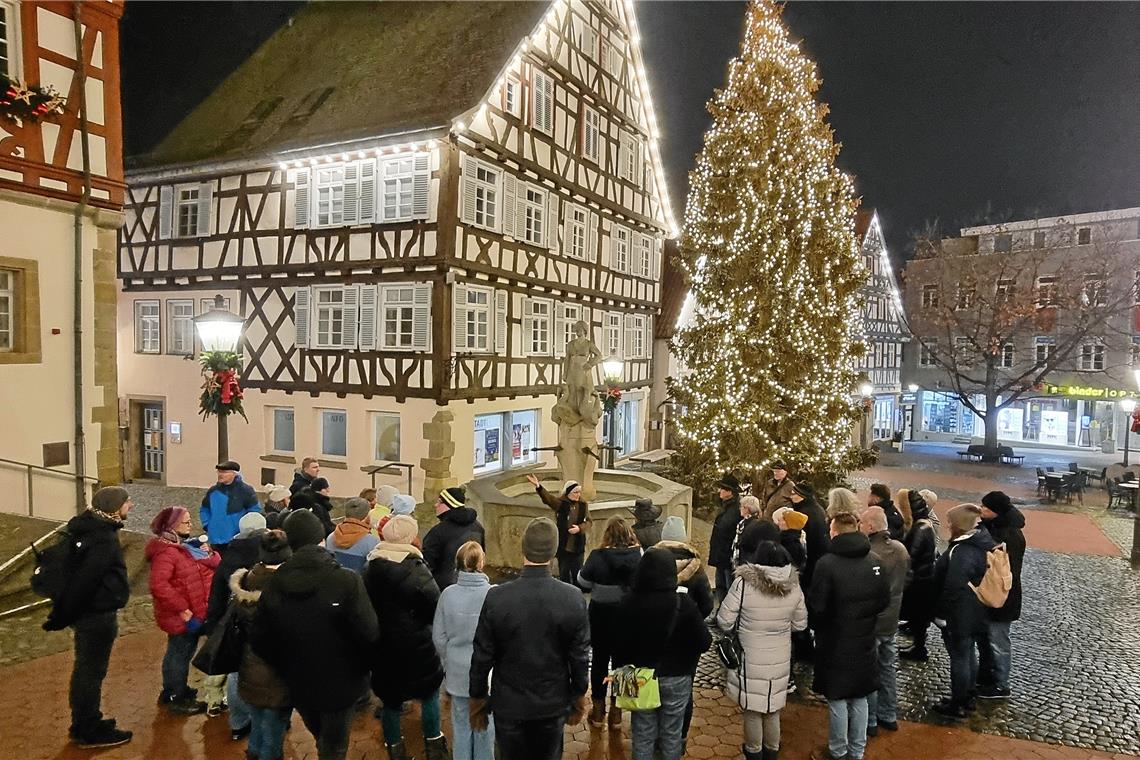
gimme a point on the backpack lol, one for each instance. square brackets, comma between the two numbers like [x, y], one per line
[997, 581]
[54, 566]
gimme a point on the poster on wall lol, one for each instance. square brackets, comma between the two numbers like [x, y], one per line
[1054, 427]
[491, 446]
[521, 442]
[1010, 423]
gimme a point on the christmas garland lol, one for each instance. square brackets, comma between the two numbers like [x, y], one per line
[18, 102]
[610, 399]
[221, 392]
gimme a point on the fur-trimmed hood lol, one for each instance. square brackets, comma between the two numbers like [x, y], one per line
[688, 562]
[243, 595]
[778, 581]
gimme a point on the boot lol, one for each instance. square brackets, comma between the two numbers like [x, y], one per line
[770, 754]
[598, 714]
[437, 749]
[750, 755]
[615, 716]
[397, 752]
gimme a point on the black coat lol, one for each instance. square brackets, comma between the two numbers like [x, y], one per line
[567, 512]
[818, 536]
[920, 597]
[241, 554]
[642, 621]
[608, 573]
[314, 501]
[895, 524]
[963, 563]
[533, 639]
[300, 481]
[648, 533]
[455, 528]
[790, 540]
[98, 580]
[691, 575]
[848, 591]
[1007, 529]
[405, 664]
[723, 532]
[315, 626]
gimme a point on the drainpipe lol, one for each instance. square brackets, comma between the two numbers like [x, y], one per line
[77, 293]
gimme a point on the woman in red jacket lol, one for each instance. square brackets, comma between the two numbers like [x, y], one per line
[180, 574]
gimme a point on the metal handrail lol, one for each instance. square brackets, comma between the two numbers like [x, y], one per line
[29, 467]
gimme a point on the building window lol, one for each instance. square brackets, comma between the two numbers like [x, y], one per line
[611, 59]
[512, 96]
[148, 331]
[385, 437]
[486, 196]
[1006, 356]
[1039, 239]
[334, 432]
[180, 327]
[7, 303]
[627, 425]
[1046, 292]
[1092, 356]
[1004, 290]
[645, 254]
[505, 440]
[612, 335]
[330, 312]
[478, 316]
[576, 235]
[1043, 347]
[591, 134]
[543, 113]
[629, 158]
[1084, 235]
[283, 430]
[397, 322]
[186, 212]
[964, 350]
[1003, 243]
[564, 324]
[929, 296]
[330, 196]
[965, 296]
[926, 355]
[586, 37]
[1095, 290]
[621, 248]
[635, 336]
[397, 188]
[9, 39]
[533, 202]
[537, 318]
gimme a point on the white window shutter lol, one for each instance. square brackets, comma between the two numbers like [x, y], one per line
[459, 317]
[658, 244]
[501, 321]
[511, 190]
[301, 317]
[520, 212]
[351, 193]
[527, 325]
[592, 238]
[552, 227]
[205, 203]
[623, 155]
[647, 353]
[635, 253]
[367, 191]
[421, 317]
[630, 339]
[466, 190]
[566, 228]
[421, 182]
[301, 197]
[559, 329]
[367, 318]
[351, 316]
[165, 211]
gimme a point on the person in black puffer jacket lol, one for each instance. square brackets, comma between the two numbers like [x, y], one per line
[457, 525]
[881, 497]
[661, 629]
[919, 597]
[724, 532]
[816, 531]
[607, 575]
[406, 664]
[315, 500]
[1004, 523]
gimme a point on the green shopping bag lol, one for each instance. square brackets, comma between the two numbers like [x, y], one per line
[636, 688]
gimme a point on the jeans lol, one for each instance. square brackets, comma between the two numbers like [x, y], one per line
[176, 663]
[568, 567]
[996, 656]
[761, 731]
[94, 638]
[882, 705]
[468, 744]
[529, 739]
[723, 579]
[963, 651]
[267, 727]
[330, 729]
[661, 728]
[429, 718]
[239, 710]
[847, 727]
[602, 634]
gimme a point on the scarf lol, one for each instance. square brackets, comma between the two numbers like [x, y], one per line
[349, 532]
[110, 517]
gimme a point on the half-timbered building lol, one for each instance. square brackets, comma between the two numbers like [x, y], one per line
[61, 200]
[411, 204]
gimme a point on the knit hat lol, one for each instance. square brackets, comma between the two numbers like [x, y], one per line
[963, 518]
[771, 554]
[274, 548]
[929, 497]
[795, 520]
[167, 520]
[657, 571]
[757, 531]
[278, 493]
[229, 464]
[319, 484]
[674, 530]
[645, 509]
[386, 494]
[454, 497]
[997, 501]
[110, 499]
[540, 540]
[881, 490]
[250, 522]
[401, 529]
[570, 486]
[356, 508]
[729, 483]
[402, 504]
[805, 490]
[303, 529]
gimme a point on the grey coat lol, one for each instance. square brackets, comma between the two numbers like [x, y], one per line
[770, 606]
[453, 631]
[894, 561]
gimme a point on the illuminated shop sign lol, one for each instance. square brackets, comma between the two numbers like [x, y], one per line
[1090, 391]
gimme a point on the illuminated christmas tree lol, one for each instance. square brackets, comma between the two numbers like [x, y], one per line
[770, 250]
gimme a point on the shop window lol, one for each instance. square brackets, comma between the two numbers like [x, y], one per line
[504, 440]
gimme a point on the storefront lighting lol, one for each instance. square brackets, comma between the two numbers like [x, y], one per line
[913, 387]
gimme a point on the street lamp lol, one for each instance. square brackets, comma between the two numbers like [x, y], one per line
[1128, 406]
[613, 369]
[865, 390]
[913, 387]
[219, 330]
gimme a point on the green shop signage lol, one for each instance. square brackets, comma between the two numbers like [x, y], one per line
[1090, 391]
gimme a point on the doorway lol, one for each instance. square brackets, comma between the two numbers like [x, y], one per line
[152, 443]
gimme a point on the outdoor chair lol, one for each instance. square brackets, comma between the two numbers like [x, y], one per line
[1075, 484]
[1041, 482]
[1101, 477]
[1117, 496]
[1127, 477]
[1074, 467]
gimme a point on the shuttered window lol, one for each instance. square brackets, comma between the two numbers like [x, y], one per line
[577, 220]
[396, 193]
[566, 315]
[621, 253]
[612, 335]
[329, 196]
[537, 320]
[473, 318]
[644, 250]
[635, 336]
[329, 317]
[629, 157]
[543, 111]
[532, 214]
[591, 134]
[148, 328]
[481, 205]
[338, 194]
[512, 96]
[9, 37]
[405, 317]
[184, 210]
[180, 327]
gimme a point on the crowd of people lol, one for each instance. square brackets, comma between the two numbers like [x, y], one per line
[410, 620]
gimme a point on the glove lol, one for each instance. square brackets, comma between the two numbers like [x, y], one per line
[577, 711]
[477, 711]
[52, 625]
[193, 625]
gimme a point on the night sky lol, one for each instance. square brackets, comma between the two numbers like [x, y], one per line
[956, 112]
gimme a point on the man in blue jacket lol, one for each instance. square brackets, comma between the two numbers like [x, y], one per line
[225, 504]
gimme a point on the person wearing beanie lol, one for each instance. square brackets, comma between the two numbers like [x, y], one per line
[647, 523]
[880, 496]
[310, 598]
[276, 502]
[352, 540]
[97, 588]
[261, 693]
[817, 540]
[225, 503]
[530, 656]
[960, 614]
[777, 490]
[381, 505]
[767, 604]
[315, 498]
[1004, 523]
[572, 515]
[791, 523]
[661, 629]
[402, 504]
[181, 572]
[920, 597]
[724, 532]
[458, 524]
[848, 591]
[894, 563]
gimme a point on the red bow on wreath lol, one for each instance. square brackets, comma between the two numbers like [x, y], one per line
[1136, 421]
[230, 389]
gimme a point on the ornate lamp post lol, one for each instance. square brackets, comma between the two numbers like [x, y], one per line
[865, 390]
[220, 332]
[613, 369]
[1128, 406]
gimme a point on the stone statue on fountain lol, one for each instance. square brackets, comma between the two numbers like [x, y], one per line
[577, 412]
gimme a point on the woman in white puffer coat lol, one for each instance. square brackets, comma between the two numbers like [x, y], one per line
[766, 597]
